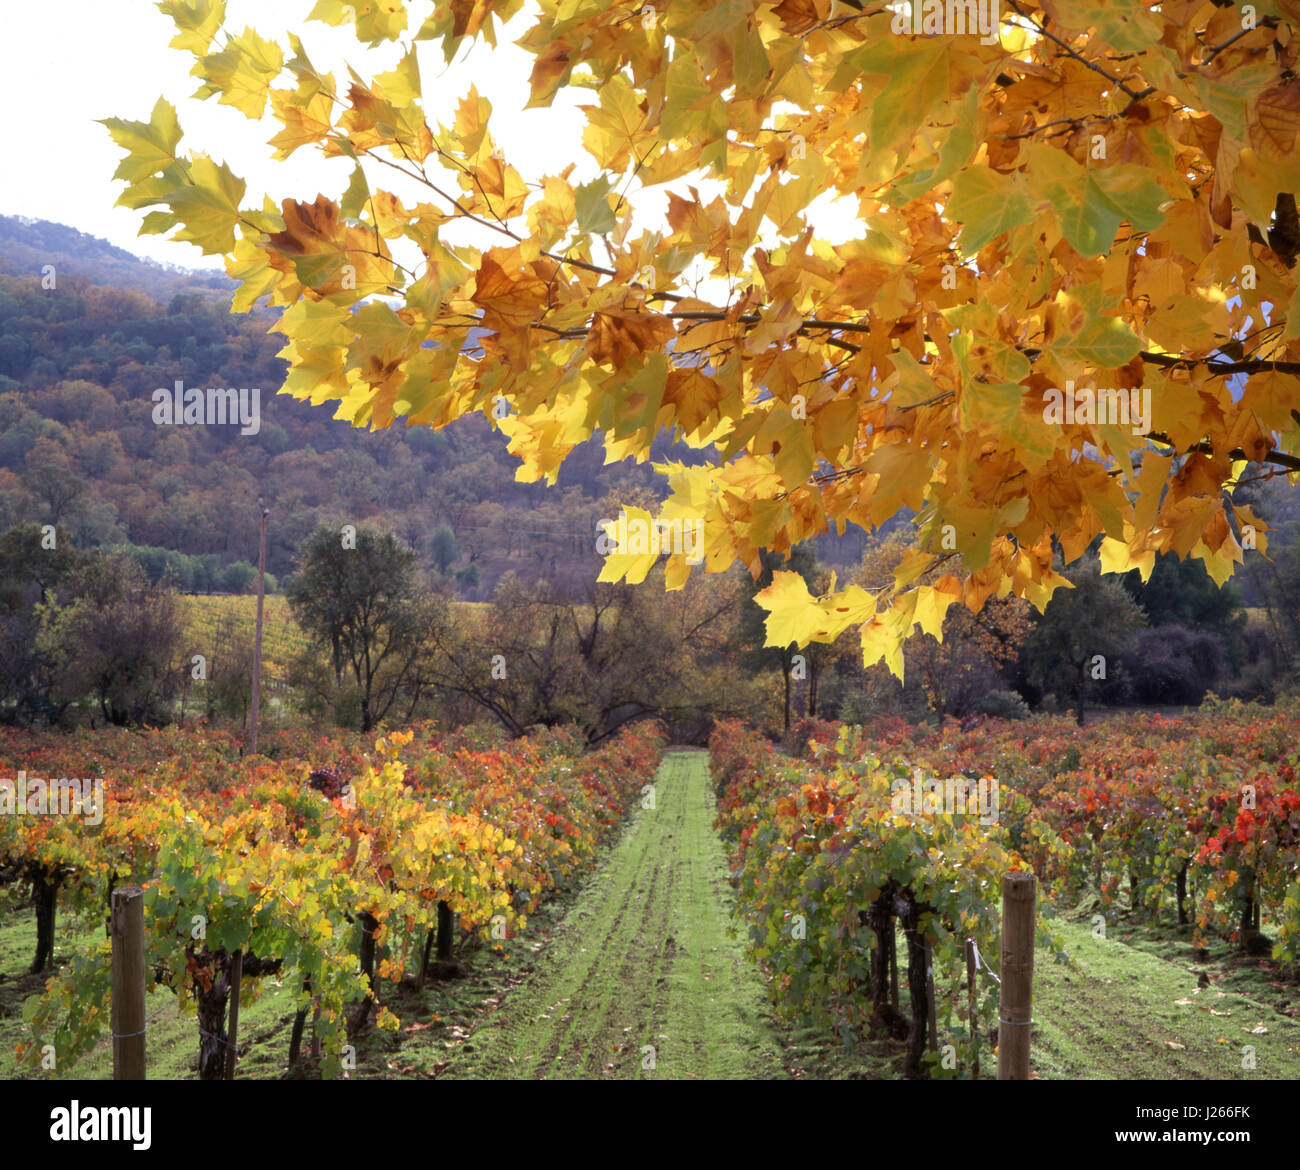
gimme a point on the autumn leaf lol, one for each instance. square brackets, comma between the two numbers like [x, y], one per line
[617, 335]
[1103, 205]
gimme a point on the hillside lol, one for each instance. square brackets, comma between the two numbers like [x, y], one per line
[79, 365]
[27, 245]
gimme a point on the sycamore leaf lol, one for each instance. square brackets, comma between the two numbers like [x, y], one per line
[197, 22]
[209, 209]
[617, 335]
[1024, 224]
[1117, 557]
[241, 74]
[986, 204]
[324, 254]
[1088, 219]
[374, 20]
[1107, 342]
[150, 146]
[594, 211]
[633, 559]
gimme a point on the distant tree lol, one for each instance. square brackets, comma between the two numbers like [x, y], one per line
[469, 577]
[1181, 593]
[1273, 581]
[30, 573]
[1172, 664]
[119, 638]
[229, 689]
[952, 676]
[51, 477]
[616, 655]
[237, 577]
[445, 550]
[366, 608]
[1083, 630]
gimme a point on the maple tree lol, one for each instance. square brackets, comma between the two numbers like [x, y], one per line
[1099, 196]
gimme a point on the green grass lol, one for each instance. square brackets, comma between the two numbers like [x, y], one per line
[1134, 1009]
[643, 960]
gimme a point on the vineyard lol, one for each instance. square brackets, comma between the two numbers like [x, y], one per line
[341, 868]
[217, 624]
[345, 872]
[1194, 821]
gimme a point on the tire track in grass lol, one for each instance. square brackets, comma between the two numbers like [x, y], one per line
[642, 960]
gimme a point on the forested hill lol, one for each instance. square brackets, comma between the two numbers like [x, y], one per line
[28, 246]
[79, 364]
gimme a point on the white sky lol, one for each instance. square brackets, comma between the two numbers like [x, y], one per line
[69, 62]
[65, 63]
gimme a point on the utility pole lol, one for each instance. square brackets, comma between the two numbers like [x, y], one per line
[257, 643]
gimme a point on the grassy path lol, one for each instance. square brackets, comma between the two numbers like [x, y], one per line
[641, 962]
[1130, 1015]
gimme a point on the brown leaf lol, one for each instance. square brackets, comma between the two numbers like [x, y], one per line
[502, 284]
[694, 398]
[1277, 122]
[617, 336]
[308, 227]
[798, 16]
[467, 17]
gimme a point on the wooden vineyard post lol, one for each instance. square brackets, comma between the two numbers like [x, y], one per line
[257, 637]
[232, 1038]
[1019, 904]
[127, 1014]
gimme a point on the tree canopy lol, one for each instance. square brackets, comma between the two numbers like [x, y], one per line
[1097, 203]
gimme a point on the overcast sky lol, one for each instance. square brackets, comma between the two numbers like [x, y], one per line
[65, 63]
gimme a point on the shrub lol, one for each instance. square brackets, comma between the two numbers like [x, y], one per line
[1172, 664]
[1001, 705]
[806, 732]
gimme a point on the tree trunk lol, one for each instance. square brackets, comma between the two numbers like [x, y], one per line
[368, 924]
[299, 1022]
[918, 985]
[211, 1003]
[45, 897]
[1078, 705]
[893, 969]
[785, 671]
[446, 923]
[885, 1016]
[1180, 888]
[424, 960]
[1251, 940]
